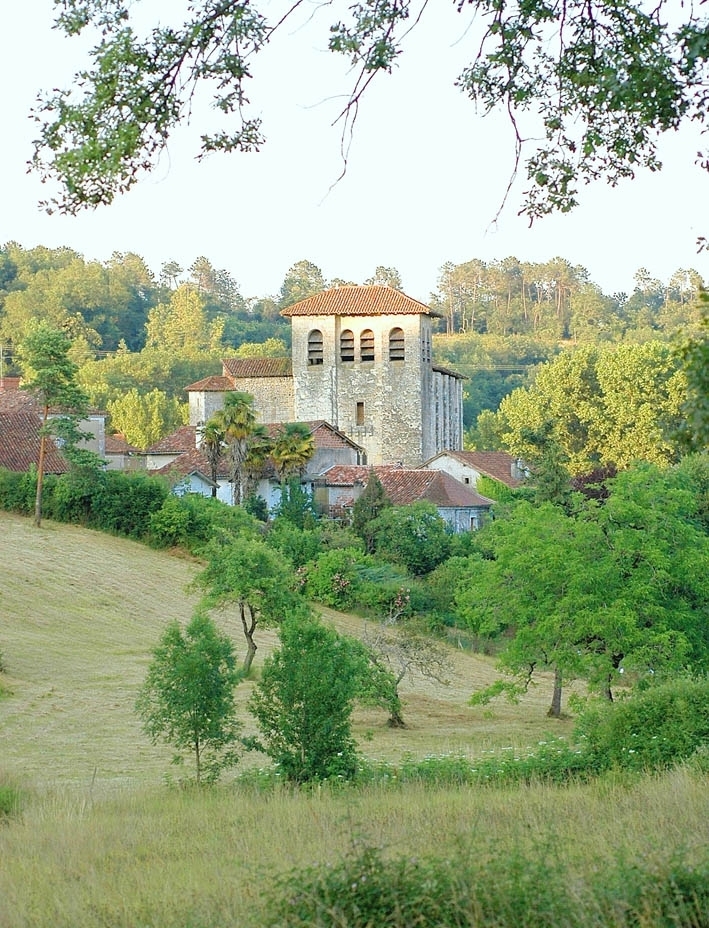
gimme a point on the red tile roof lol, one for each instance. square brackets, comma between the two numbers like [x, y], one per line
[116, 444]
[192, 462]
[214, 384]
[404, 486]
[367, 300]
[184, 439]
[327, 436]
[20, 424]
[495, 464]
[257, 367]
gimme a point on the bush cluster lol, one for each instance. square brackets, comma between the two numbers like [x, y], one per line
[651, 730]
[110, 501]
[503, 889]
[135, 505]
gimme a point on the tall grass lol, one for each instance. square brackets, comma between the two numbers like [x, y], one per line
[179, 858]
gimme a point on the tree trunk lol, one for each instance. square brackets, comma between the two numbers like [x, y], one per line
[40, 472]
[249, 628]
[555, 708]
[607, 692]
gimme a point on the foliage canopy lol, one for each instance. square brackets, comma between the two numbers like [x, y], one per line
[596, 83]
[187, 698]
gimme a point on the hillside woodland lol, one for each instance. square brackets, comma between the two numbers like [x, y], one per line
[141, 338]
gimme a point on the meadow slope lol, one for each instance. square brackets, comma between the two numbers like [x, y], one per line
[81, 612]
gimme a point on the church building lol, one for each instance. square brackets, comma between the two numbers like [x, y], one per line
[362, 361]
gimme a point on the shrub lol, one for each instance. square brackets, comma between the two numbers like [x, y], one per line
[649, 730]
[332, 579]
[17, 491]
[172, 524]
[414, 535]
[74, 498]
[297, 544]
[304, 700]
[489, 888]
[127, 502]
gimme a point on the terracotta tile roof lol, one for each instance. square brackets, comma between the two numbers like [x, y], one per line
[327, 436]
[116, 444]
[404, 486]
[20, 424]
[495, 464]
[214, 384]
[257, 367]
[191, 462]
[184, 439]
[359, 301]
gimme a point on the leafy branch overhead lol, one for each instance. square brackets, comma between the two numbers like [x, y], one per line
[589, 85]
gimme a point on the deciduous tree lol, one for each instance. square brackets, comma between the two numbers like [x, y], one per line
[304, 701]
[589, 87]
[244, 572]
[187, 699]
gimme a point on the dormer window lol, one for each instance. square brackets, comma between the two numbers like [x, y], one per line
[366, 345]
[396, 345]
[315, 347]
[347, 346]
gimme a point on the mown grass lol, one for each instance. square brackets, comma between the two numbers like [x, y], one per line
[81, 612]
[97, 839]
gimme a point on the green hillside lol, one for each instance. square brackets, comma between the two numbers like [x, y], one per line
[102, 842]
[81, 612]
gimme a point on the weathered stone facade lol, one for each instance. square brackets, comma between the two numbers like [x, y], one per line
[361, 360]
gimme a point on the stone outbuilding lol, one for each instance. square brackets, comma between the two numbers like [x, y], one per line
[469, 466]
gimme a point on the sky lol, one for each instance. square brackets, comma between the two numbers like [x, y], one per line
[425, 177]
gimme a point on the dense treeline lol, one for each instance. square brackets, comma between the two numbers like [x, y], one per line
[146, 337]
[557, 300]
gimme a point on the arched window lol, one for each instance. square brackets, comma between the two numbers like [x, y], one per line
[315, 351]
[347, 351]
[366, 345]
[396, 345]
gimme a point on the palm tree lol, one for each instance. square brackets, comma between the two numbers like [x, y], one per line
[238, 421]
[212, 446]
[260, 447]
[293, 447]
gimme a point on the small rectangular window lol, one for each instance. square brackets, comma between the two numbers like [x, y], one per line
[359, 414]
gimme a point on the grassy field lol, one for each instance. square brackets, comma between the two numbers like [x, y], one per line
[102, 843]
[81, 612]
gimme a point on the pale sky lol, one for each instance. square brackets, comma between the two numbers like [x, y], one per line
[425, 176]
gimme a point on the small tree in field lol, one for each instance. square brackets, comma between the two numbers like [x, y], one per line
[187, 699]
[50, 375]
[249, 575]
[304, 701]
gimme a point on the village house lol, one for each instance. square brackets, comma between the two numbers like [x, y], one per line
[20, 430]
[337, 490]
[179, 458]
[469, 466]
